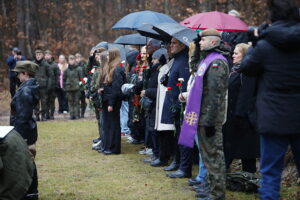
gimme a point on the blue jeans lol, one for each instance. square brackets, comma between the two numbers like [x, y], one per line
[202, 170]
[124, 117]
[273, 149]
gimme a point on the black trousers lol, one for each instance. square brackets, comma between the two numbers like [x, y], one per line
[112, 129]
[13, 83]
[62, 100]
[165, 142]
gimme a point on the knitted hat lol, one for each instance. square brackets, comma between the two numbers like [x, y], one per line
[159, 52]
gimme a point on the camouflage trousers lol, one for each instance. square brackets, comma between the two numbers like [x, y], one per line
[213, 157]
[82, 103]
[73, 101]
[51, 102]
[42, 106]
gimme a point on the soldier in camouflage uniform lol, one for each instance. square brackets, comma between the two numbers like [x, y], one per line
[44, 77]
[213, 113]
[71, 79]
[93, 87]
[81, 64]
[54, 84]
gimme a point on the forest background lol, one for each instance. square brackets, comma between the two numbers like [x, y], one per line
[71, 26]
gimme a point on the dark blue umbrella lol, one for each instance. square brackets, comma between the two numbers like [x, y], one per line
[147, 31]
[177, 31]
[131, 39]
[135, 20]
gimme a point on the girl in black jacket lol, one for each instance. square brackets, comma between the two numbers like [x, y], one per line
[112, 100]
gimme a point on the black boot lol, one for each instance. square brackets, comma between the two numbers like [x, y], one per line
[172, 167]
[37, 117]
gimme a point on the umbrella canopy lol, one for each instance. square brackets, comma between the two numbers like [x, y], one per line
[123, 50]
[181, 33]
[131, 39]
[147, 31]
[135, 20]
[217, 20]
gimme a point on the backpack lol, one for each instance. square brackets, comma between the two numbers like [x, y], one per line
[243, 182]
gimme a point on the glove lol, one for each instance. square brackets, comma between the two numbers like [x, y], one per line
[209, 131]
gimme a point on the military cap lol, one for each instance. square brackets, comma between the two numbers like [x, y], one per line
[38, 51]
[48, 52]
[26, 66]
[210, 32]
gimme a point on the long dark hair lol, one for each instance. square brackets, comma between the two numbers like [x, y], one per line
[283, 10]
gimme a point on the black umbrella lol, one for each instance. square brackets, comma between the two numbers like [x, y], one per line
[131, 39]
[147, 31]
[177, 31]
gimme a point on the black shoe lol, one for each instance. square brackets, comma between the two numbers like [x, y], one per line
[172, 167]
[149, 159]
[158, 163]
[37, 118]
[44, 118]
[193, 181]
[179, 174]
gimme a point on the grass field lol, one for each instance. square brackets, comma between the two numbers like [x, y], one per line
[70, 170]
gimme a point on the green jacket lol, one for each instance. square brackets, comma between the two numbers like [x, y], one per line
[54, 75]
[215, 85]
[71, 78]
[16, 167]
[44, 74]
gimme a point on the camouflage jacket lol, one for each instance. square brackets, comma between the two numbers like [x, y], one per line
[55, 72]
[44, 74]
[215, 85]
[71, 78]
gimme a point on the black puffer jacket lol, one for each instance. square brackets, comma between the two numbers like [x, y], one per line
[22, 105]
[276, 61]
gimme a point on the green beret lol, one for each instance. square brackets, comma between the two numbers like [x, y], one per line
[26, 66]
[210, 32]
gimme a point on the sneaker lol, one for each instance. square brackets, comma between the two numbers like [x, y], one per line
[149, 152]
[94, 146]
[130, 139]
[143, 152]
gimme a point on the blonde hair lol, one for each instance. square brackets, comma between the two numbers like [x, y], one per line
[243, 47]
[64, 66]
[114, 59]
[103, 62]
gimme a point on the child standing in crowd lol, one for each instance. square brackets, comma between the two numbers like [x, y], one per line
[112, 99]
[71, 79]
[61, 94]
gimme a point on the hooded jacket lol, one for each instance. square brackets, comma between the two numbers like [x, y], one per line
[22, 105]
[275, 60]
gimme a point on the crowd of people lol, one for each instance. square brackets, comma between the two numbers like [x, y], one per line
[225, 96]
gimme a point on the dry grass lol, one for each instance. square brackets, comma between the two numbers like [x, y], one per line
[69, 169]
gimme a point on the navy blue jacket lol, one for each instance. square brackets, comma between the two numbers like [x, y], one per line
[275, 60]
[22, 105]
[11, 62]
[180, 69]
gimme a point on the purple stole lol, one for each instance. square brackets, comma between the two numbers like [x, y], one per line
[190, 122]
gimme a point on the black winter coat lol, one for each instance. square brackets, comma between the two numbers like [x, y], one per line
[240, 137]
[22, 105]
[151, 91]
[179, 69]
[276, 61]
[112, 92]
